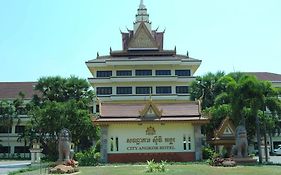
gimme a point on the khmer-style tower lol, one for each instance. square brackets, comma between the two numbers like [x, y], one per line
[142, 89]
[143, 67]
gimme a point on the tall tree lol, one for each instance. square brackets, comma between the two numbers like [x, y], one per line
[206, 88]
[9, 113]
[239, 96]
[62, 103]
[247, 97]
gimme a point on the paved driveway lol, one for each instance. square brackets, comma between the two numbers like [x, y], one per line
[8, 166]
[275, 159]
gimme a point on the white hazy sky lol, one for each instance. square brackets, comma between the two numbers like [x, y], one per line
[55, 37]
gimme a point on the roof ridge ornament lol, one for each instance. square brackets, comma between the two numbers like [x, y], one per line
[141, 6]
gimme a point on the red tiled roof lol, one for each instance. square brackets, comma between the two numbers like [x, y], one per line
[132, 110]
[267, 76]
[11, 90]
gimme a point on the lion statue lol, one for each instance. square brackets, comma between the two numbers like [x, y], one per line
[64, 146]
[241, 143]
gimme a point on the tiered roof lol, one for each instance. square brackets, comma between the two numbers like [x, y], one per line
[149, 112]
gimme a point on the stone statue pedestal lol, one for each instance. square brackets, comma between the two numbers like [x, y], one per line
[244, 160]
[35, 155]
[263, 152]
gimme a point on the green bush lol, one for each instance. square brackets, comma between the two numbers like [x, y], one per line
[155, 167]
[88, 158]
[207, 152]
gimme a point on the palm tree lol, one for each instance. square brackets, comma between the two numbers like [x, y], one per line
[206, 87]
[247, 97]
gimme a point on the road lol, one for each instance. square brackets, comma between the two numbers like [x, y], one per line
[8, 166]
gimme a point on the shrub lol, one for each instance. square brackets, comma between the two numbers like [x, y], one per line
[208, 153]
[88, 158]
[155, 167]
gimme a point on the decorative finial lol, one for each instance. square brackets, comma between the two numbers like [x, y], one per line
[98, 54]
[187, 54]
[157, 28]
[110, 50]
[142, 6]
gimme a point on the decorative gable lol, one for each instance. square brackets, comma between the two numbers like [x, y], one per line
[150, 110]
[142, 38]
[226, 129]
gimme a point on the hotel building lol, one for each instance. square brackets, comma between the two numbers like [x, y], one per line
[143, 103]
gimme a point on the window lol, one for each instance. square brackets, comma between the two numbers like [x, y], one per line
[163, 72]
[124, 73]
[22, 111]
[5, 149]
[143, 72]
[19, 129]
[22, 149]
[183, 72]
[124, 90]
[117, 143]
[114, 144]
[182, 89]
[189, 143]
[184, 142]
[104, 90]
[163, 90]
[97, 108]
[111, 144]
[104, 73]
[5, 129]
[143, 90]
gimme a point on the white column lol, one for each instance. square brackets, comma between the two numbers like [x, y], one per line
[12, 151]
[134, 90]
[173, 89]
[13, 129]
[114, 92]
[113, 72]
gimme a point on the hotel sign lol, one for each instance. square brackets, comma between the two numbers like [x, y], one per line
[150, 142]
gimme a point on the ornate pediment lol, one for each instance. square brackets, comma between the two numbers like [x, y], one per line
[228, 131]
[142, 38]
[226, 128]
[150, 110]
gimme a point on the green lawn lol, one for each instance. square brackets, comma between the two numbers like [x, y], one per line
[188, 169]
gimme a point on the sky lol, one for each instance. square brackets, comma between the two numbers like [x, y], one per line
[56, 37]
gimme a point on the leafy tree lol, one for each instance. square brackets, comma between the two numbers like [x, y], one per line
[62, 103]
[242, 97]
[206, 87]
[9, 111]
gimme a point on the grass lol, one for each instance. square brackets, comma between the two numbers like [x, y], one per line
[177, 169]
